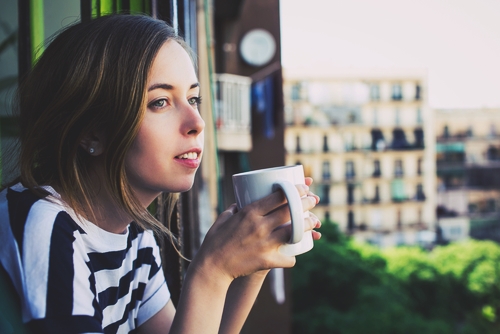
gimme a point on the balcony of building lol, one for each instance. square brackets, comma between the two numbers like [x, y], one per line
[469, 134]
[398, 142]
[485, 227]
[398, 92]
[233, 112]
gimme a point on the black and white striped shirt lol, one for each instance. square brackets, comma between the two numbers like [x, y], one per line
[72, 276]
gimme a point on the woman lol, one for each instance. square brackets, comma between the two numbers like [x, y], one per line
[109, 120]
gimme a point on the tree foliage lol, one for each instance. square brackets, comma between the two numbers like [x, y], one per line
[349, 288]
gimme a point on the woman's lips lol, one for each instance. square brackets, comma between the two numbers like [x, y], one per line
[189, 159]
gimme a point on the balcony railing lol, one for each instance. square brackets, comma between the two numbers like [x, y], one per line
[233, 112]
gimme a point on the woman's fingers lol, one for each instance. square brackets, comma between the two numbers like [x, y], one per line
[315, 223]
[275, 209]
[311, 222]
[282, 233]
[225, 215]
[308, 181]
[316, 235]
[309, 202]
[272, 202]
[277, 199]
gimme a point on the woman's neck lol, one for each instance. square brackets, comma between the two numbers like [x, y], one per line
[103, 210]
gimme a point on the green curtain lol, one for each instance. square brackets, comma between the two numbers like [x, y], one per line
[106, 7]
[37, 31]
[398, 190]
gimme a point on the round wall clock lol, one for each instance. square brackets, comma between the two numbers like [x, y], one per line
[257, 47]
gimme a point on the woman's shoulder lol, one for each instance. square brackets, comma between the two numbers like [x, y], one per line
[27, 209]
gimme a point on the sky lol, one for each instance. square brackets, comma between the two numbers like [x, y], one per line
[456, 42]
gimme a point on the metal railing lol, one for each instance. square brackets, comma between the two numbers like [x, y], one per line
[233, 111]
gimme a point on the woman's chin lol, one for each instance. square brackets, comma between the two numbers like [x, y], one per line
[181, 187]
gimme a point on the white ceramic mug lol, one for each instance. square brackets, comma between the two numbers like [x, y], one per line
[252, 186]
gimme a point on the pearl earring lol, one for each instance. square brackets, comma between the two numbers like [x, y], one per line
[91, 150]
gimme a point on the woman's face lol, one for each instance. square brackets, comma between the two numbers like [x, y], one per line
[167, 150]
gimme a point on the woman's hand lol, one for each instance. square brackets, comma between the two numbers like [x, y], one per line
[247, 241]
[316, 235]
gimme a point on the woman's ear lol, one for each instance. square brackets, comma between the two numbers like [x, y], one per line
[93, 143]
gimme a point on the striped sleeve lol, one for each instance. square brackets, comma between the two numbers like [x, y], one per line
[57, 277]
[156, 294]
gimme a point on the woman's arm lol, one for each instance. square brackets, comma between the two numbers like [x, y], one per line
[241, 296]
[239, 301]
[244, 290]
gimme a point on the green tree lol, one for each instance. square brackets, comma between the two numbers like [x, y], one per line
[349, 288]
[342, 287]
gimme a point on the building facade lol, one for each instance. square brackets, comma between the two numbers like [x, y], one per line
[468, 173]
[367, 140]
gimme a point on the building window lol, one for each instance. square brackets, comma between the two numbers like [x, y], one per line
[374, 92]
[349, 170]
[378, 142]
[493, 153]
[298, 149]
[296, 92]
[446, 131]
[350, 193]
[376, 168]
[397, 92]
[420, 196]
[327, 216]
[399, 141]
[419, 138]
[326, 170]
[419, 166]
[397, 119]
[419, 116]
[350, 221]
[398, 168]
[470, 132]
[376, 198]
[418, 92]
[325, 199]
[375, 116]
[325, 144]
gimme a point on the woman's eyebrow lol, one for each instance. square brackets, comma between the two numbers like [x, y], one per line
[168, 86]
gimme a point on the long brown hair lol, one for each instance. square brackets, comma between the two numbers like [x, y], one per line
[92, 77]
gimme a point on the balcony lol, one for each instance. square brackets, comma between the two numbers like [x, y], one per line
[233, 112]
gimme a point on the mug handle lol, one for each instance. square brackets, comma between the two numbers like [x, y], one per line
[295, 207]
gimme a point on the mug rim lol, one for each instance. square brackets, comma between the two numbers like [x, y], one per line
[266, 170]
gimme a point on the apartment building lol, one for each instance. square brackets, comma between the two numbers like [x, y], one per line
[468, 172]
[367, 140]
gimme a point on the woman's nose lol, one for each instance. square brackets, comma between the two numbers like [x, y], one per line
[194, 123]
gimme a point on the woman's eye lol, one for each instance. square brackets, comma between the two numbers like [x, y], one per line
[158, 103]
[194, 101]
